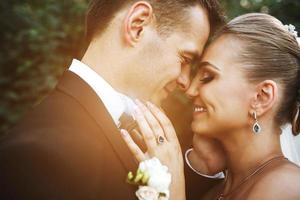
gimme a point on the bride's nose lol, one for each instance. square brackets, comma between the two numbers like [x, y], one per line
[193, 90]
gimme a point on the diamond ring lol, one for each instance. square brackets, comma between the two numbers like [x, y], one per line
[160, 139]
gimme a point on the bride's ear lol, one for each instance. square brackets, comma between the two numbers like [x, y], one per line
[266, 95]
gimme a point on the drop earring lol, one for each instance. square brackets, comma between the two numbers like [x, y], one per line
[256, 127]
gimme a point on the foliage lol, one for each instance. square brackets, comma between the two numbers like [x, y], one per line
[40, 37]
[287, 11]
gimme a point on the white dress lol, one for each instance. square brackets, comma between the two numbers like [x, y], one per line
[288, 141]
[288, 145]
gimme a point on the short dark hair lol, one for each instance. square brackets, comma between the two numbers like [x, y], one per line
[269, 52]
[169, 13]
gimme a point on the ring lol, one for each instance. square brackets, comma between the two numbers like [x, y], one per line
[160, 139]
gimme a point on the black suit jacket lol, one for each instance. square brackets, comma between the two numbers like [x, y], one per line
[67, 147]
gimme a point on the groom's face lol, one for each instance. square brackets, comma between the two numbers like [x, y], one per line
[171, 57]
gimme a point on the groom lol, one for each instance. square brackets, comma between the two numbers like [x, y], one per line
[69, 146]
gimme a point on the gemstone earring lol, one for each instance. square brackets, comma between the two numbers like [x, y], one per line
[256, 127]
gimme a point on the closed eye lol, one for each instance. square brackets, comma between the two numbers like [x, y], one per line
[185, 60]
[206, 77]
[206, 80]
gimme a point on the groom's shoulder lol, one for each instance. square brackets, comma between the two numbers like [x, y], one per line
[59, 151]
[54, 147]
[57, 110]
[57, 121]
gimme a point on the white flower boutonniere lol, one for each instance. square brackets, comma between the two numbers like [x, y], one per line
[153, 179]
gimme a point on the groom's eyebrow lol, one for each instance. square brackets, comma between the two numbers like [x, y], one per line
[206, 63]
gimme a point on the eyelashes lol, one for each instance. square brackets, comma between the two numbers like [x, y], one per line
[185, 60]
[206, 80]
[206, 77]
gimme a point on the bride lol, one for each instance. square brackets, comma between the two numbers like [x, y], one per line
[247, 87]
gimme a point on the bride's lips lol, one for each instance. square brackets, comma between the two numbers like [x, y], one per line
[199, 110]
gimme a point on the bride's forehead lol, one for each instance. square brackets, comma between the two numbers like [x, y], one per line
[223, 53]
[226, 45]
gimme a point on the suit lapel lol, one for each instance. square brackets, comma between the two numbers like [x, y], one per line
[74, 86]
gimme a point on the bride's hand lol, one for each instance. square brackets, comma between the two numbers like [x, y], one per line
[161, 141]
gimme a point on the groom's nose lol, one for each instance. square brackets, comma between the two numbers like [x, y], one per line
[183, 80]
[183, 83]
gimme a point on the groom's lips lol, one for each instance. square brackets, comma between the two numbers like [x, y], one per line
[170, 87]
[165, 93]
[167, 90]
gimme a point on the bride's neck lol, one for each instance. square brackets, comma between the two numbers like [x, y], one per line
[245, 151]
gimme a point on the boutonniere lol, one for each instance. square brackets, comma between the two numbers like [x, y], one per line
[153, 180]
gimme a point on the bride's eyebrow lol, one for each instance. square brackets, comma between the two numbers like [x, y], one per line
[206, 63]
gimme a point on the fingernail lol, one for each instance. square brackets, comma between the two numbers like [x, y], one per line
[136, 111]
[135, 107]
[123, 132]
[150, 104]
[138, 102]
[142, 107]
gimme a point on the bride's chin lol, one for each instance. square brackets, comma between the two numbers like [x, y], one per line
[198, 128]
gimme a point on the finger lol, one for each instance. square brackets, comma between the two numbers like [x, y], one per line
[166, 124]
[147, 132]
[152, 121]
[137, 137]
[133, 147]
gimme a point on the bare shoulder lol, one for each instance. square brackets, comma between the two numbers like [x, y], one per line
[282, 182]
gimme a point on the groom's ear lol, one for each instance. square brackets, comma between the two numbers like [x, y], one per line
[139, 16]
[266, 95]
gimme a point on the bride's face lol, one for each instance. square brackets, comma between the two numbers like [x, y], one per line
[221, 91]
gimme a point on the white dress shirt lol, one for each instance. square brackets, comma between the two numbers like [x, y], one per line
[115, 102]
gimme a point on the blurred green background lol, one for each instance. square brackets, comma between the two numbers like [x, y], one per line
[39, 38]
